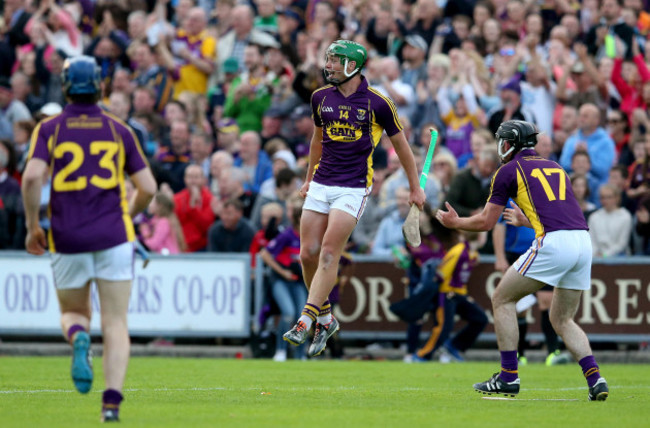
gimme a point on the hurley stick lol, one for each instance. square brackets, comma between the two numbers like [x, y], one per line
[411, 226]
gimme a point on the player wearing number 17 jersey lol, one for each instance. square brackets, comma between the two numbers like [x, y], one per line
[560, 256]
[88, 154]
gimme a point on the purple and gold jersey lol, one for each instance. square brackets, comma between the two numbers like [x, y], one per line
[88, 152]
[352, 128]
[456, 267]
[542, 190]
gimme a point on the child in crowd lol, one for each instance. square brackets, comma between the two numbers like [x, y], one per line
[282, 255]
[163, 233]
[580, 188]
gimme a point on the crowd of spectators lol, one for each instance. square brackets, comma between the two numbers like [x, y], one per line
[218, 92]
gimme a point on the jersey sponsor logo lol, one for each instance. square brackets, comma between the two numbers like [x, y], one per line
[84, 122]
[340, 131]
[328, 109]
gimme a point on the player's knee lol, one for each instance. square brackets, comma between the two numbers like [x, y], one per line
[558, 321]
[308, 257]
[497, 298]
[113, 323]
[328, 258]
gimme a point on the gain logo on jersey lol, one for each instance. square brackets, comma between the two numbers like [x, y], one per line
[340, 131]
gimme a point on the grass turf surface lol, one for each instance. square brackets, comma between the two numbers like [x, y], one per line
[191, 393]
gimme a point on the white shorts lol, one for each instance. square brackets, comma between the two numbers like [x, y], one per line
[322, 199]
[561, 259]
[75, 270]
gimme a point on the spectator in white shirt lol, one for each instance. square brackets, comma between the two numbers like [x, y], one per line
[610, 226]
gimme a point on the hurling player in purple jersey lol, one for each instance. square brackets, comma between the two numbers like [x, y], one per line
[560, 255]
[88, 153]
[349, 118]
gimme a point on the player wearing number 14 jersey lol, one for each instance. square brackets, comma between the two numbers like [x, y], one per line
[560, 256]
[88, 153]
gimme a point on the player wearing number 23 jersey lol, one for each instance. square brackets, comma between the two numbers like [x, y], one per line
[88, 151]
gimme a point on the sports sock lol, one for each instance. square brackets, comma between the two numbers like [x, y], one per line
[325, 314]
[508, 366]
[590, 370]
[309, 314]
[549, 333]
[523, 329]
[74, 328]
[111, 400]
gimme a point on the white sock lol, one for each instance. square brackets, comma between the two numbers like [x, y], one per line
[308, 321]
[325, 319]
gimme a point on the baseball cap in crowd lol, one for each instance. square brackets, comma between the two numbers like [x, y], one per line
[227, 125]
[290, 13]
[275, 111]
[300, 112]
[231, 65]
[418, 42]
[512, 85]
[287, 157]
[50, 109]
[264, 40]
[578, 67]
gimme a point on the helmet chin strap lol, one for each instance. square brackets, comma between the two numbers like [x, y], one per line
[502, 155]
[345, 72]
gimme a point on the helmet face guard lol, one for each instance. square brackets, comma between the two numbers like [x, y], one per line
[501, 146]
[346, 51]
[518, 134]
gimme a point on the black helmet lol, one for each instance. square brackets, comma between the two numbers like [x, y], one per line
[518, 133]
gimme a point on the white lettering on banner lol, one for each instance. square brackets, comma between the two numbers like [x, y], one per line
[375, 299]
[378, 295]
[26, 293]
[647, 315]
[589, 299]
[624, 300]
[175, 295]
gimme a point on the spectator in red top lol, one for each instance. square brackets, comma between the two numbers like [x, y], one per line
[193, 209]
[631, 95]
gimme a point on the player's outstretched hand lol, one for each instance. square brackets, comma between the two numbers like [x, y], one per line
[447, 218]
[304, 189]
[35, 242]
[515, 217]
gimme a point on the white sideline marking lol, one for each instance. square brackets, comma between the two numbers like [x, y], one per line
[530, 399]
[321, 389]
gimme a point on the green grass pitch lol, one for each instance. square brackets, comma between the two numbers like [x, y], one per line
[192, 393]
